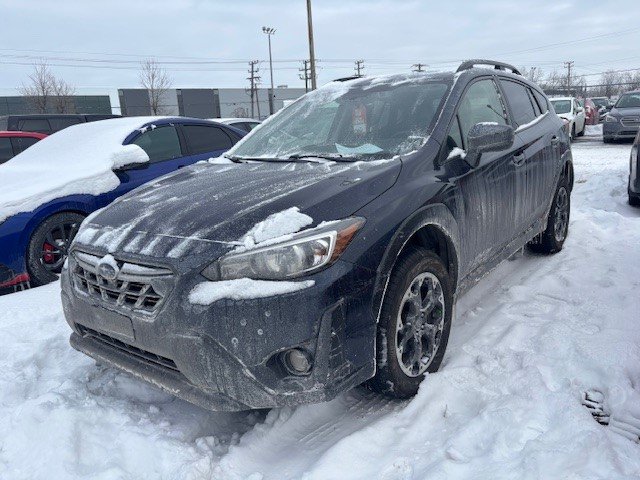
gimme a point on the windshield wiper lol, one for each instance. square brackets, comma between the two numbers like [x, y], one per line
[337, 157]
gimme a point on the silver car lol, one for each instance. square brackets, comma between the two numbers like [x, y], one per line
[623, 121]
[634, 182]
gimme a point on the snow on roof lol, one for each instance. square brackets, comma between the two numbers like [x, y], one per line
[77, 160]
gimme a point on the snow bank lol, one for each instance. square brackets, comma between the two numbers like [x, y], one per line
[278, 225]
[77, 160]
[206, 293]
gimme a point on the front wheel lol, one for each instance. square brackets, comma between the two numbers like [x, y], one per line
[49, 246]
[552, 238]
[414, 324]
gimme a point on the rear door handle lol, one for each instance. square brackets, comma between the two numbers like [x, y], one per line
[518, 159]
[555, 140]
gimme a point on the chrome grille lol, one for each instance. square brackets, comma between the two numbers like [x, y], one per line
[630, 121]
[135, 286]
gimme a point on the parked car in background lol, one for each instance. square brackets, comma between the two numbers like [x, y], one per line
[634, 179]
[50, 188]
[603, 104]
[591, 112]
[331, 247]
[246, 124]
[623, 121]
[47, 123]
[13, 143]
[571, 109]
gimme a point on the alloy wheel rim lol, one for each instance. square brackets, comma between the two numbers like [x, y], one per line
[55, 247]
[561, 215]
[419, 324]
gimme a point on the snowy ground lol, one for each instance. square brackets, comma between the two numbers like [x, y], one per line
[506, 404]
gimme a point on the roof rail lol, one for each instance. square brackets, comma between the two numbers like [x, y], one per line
[346, 79]
[467, 64]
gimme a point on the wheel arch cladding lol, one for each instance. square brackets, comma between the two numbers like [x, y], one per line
[432, 227]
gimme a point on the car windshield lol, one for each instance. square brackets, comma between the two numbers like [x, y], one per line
[361, 120]
[600, 102]
[561, 106]
[629, 100]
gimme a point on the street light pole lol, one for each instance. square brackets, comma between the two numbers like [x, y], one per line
[270, 31]
[312, 56]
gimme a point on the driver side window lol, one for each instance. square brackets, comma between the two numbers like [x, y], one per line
[160, 143]
[480, 103]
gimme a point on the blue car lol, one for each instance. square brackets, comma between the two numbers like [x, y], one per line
[48, 191]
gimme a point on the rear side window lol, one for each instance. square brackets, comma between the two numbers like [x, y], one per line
[6, 151]
[480, 103]
[39, 125]
[63, 122]
[20, 144]
[160, 144]
[542, 101]
[536, 107]
[203, 138]
[519, 101]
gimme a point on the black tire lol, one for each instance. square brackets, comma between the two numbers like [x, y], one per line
[634, 200]
[390, 377]
[553, 237]
[584, 129]
[573, 132]
[607, 140]
[57, 231]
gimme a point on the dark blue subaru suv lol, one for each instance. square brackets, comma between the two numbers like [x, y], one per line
[328, 248]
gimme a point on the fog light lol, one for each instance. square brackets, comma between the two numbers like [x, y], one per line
[297, 361]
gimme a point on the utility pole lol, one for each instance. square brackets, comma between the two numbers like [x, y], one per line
[419, 67]
[305, 74]
[569, 65]
[270, 31]
[359, 68]
[253, 79]
[312, 56]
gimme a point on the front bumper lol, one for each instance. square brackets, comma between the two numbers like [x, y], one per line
[227, 356]
[618, 131]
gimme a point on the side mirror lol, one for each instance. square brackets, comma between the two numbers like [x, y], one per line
[131, 166]
[487, 137]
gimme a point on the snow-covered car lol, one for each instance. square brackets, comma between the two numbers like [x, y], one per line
[634, 180]
[245, 124]
[50, 188]
[623, 121]
[571, 109]
[330, 248]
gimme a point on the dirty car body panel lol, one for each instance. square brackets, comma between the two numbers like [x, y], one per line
[224, 356]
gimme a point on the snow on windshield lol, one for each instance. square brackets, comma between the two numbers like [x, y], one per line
[77, 160]
[362, 119]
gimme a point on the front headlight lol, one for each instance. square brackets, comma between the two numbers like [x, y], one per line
[301, 254]
[610, 118]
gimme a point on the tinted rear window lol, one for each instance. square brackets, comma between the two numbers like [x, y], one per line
[203, 139]
[39, 125]
[6, 151]
[20, 144]
[542, 101]
[63, 122]
[519, 101]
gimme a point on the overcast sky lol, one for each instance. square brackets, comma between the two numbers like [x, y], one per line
[97, 45]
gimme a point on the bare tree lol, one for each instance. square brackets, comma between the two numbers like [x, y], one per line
[46, 92]
[156, 81]
[63, 96]
[533, 74]
[40, 87]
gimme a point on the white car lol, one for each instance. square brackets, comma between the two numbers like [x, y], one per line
[246, 124]
[572, 110]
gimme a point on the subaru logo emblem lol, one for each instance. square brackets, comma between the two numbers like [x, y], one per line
[107, 270]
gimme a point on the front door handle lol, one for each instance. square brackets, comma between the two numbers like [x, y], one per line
[518, 159]
[555, 140]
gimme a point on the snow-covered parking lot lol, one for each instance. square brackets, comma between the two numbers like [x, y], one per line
[526, 342]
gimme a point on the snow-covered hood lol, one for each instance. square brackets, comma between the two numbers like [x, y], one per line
[211, 207]
[77, 160]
